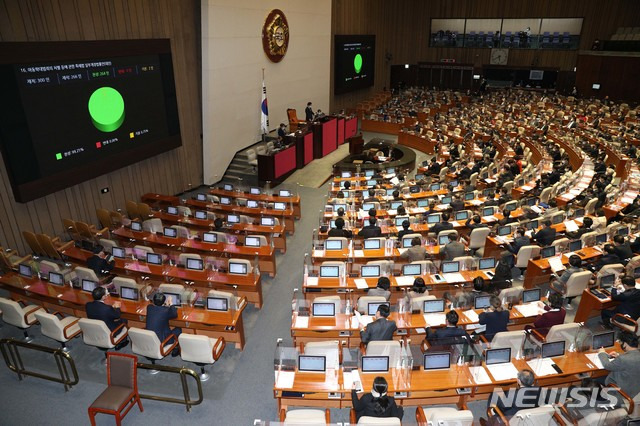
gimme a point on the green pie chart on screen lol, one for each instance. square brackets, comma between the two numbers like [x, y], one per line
[106, 108]
[357, 63]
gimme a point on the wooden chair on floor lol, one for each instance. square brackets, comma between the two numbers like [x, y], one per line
[294, 122]
[132, 210]
[121, 393]
[104, 217]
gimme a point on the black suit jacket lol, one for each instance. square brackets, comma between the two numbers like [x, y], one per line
[335, 232]
[447, 336]
[457, 205]
[629, 302]
[99, 265]
[545, 236]
[158, 319]
[441, 226]
[495, 321]
[624, 250]
[380, 329]
[308, 112]
[366, 406]
[370, 231]
[98, 310]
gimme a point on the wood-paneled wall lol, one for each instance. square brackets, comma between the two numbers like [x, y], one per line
[171, 172]
[402, 29]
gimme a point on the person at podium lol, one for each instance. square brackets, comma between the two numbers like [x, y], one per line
[308, 112]
[282, 132]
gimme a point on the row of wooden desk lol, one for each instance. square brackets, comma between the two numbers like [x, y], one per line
[72, 301]
[248, 286]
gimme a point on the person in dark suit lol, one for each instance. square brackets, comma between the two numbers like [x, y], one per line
[99, 262]
[554, 315]
[583, 229]
[474, 222]
[376, 403]
[546, 235]
[495, 318]
[98, 310]
[609, 258]
[629, 298]
[381, 328]
[456, 203]
[465, 172]
[372, 230]
[443, 225]
[502, 276]
[158, 316]
[622, 248]
[520, 240]
[308, 112]
[282, 132]
[525, 394]
[434, 168]
[405, 229]
[338, 231]
[450, 334]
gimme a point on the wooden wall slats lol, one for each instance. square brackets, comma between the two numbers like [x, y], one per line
[60, 20]
[402, 28]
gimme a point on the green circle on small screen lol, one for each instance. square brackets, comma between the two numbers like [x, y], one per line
[106, 108]
[357, 63]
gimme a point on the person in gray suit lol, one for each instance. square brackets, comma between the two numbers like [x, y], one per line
[380, 329]
[624, 368]
[454, 249]
[415, 252]
[382, 288]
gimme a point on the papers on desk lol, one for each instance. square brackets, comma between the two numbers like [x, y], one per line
[504, 371]
[456, 224]
[500, 239]
[358, 253]
[595, 360]
[536, 209]
[442, 206]
[301, 322]
[479, 375]
[394, 180]
[351, 377]
[571, 226]
[527, 187]
[318, 253]
[311, 281]
[490, 218]
[402, 250]
[434, 320]
[489, 180]
[284, 379]
[530, 309]
[405, 280]
[392, 212]
[364, 319]
[542, 366]
[362, 214]
[455, 277]
[472, 315]
[555, 263]
[417, 210]
[361, 283]
[475, 202]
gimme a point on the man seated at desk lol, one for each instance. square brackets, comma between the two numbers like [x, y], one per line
[443, 225]
[416, 251]
[99, 262]
[519, 240]
[98, 310]
[546, 235]
[158, 316]
[382, 288]
[622, 248]
[372, 230]
[475, 222]
[526, 393]
[282, 132]
[583, 229]
[405, 229]
[434, 168]
[338, 231]
[609, 257]
[448, 335]
[629, 298]
[453, 249]
[380, 329]
[624, 368]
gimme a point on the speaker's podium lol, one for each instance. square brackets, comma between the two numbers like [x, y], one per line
[325, 136]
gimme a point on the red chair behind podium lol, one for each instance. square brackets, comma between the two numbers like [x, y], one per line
[293, 120]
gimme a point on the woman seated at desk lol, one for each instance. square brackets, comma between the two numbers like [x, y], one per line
[376, 403]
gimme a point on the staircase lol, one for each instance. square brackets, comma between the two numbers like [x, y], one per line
[240, 170]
